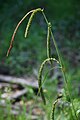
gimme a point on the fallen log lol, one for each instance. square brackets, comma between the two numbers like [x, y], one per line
[26, 82]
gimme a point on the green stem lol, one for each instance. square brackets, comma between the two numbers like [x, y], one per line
[45, 18]
[63, 73]
[64, 76]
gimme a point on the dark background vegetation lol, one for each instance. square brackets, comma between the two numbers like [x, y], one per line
[29, 53]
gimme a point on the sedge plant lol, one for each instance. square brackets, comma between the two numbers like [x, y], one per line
[49, 58]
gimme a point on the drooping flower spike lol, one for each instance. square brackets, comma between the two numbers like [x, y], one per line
[14, 33]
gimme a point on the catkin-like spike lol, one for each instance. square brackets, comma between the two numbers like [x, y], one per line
[48, 41]
[40, 77]
[53, 109]
[14, 33]
[54, 105]
[30, 20]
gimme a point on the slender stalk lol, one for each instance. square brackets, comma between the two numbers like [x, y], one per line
[64, 76]
[45, 18]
